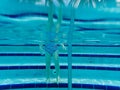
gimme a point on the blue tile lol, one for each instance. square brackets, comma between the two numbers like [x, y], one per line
[102, 87]
[91, 67]
[13, 67]
[95, 45]
[113, 88]
[41, 85]
[14, 86]
[51, 85]
[81, 67]
[63, 55]
[52, 67]
[111, 68]
[29, 85]
[96, 55]
[4, 67]
[3, 87]
[63, 85]
[20, 54]
[90, 86]
[33, 67]
[23, 67]
[100, 68]
[63, 67]
[77, 55]
[118, 69]
[76, 85]
[42, 67]
[74, 67]
[60, 85]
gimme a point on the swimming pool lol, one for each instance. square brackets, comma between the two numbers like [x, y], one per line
[94, 41]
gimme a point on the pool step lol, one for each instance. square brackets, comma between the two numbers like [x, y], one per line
[76, 48]
[96, 70]
[62, 66]
[37, 83]
[38, 71]
[78, 58]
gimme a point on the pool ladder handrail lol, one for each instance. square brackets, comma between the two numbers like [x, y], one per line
[70, 48]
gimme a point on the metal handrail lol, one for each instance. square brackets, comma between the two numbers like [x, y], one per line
[70, 49]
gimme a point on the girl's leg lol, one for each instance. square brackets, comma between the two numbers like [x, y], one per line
[48, 62]
[57, 67]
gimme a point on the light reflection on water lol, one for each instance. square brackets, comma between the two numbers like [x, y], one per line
[27, 23]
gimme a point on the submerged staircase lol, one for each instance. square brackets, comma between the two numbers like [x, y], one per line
[95, 55]
[22, 67]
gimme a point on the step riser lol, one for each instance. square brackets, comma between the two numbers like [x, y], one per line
[41, 60]
[76, 49]
[20, 60]
[40, 73]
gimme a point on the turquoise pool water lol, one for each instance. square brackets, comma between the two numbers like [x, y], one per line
[95, 42]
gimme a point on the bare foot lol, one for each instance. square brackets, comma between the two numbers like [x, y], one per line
[58, 80]
[48, 81]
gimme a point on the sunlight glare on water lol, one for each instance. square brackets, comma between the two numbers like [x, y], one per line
[27, 20]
